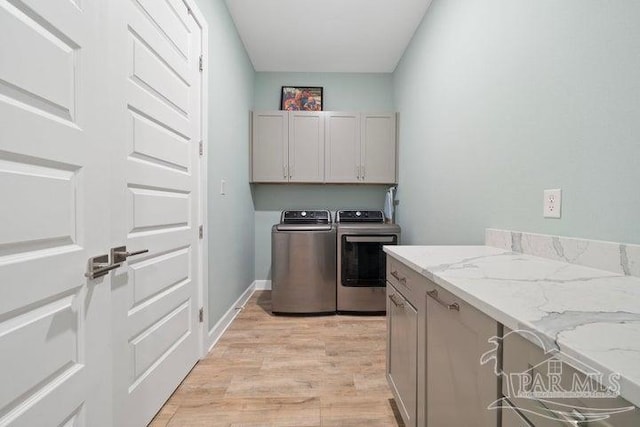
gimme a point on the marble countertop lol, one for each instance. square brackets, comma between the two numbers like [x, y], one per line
[588, 314]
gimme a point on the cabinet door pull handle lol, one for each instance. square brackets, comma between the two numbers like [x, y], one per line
[453, 306]
[395, 302]
[398, 277]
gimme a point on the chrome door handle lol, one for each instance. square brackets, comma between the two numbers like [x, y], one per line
[392, 297]
[434, 294]
[120, 254]
[99, 266]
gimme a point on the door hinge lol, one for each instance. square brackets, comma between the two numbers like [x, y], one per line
[201, 148]
[201, 231]
[201, 314]
[189, 11]
[201, 64]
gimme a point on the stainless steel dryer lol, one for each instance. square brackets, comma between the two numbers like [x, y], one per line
[362, 264]
[303, 263]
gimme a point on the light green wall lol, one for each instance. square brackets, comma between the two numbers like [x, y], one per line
[342, 92]
[270, 200]
[231, 217]
[501, 99]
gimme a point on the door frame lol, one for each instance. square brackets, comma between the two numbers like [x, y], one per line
[203, 285]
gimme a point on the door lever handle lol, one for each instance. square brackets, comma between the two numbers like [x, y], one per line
[99, 266]
[120, 254]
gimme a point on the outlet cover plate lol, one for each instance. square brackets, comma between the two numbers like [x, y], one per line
[552, 203]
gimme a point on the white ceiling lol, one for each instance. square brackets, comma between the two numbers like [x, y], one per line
[326, 35]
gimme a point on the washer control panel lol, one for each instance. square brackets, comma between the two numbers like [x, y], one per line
[305, 217]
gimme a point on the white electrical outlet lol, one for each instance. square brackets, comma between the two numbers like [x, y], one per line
[552, 203]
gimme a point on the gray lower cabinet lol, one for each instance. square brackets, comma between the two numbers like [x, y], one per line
[527, 368]
[402, 352]
[459, 388]
[435, 342]
[511, 417]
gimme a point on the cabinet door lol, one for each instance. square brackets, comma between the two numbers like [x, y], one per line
[378, 148]
[459, 388]
[306, 146]
[342, 147]
[269, 154]
[402, 350]
[512, 418]
[521, 356]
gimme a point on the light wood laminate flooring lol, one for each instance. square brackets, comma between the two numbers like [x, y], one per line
[288, 371]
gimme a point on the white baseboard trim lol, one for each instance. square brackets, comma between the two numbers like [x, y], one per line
[216, 332]
[262, 285]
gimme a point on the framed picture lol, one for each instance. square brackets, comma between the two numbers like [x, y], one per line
[301, 98]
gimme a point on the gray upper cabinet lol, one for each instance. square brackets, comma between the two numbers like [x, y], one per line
[323, 147]
[342, 147]
[269, 148]
[287, 147]
[378, 148]
[306, 146]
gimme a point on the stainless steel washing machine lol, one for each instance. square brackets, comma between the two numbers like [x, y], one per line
[303, 263]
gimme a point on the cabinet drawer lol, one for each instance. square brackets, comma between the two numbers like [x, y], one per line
[525, 363]
[408, 282]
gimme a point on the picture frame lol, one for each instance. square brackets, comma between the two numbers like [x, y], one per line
[301, 98]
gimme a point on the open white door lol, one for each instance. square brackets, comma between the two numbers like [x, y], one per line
[54, 215]
[156, 174]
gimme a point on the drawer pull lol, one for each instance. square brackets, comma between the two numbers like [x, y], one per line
[395, 302]
[434, 294]
[574, 418]
[400, 279]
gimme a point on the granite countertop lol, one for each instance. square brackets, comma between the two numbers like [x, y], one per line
[589, 314]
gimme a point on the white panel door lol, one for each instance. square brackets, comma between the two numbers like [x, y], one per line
[54, 214]
[155, 295]
[342, 147]
[378, 148]
[306, 146]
